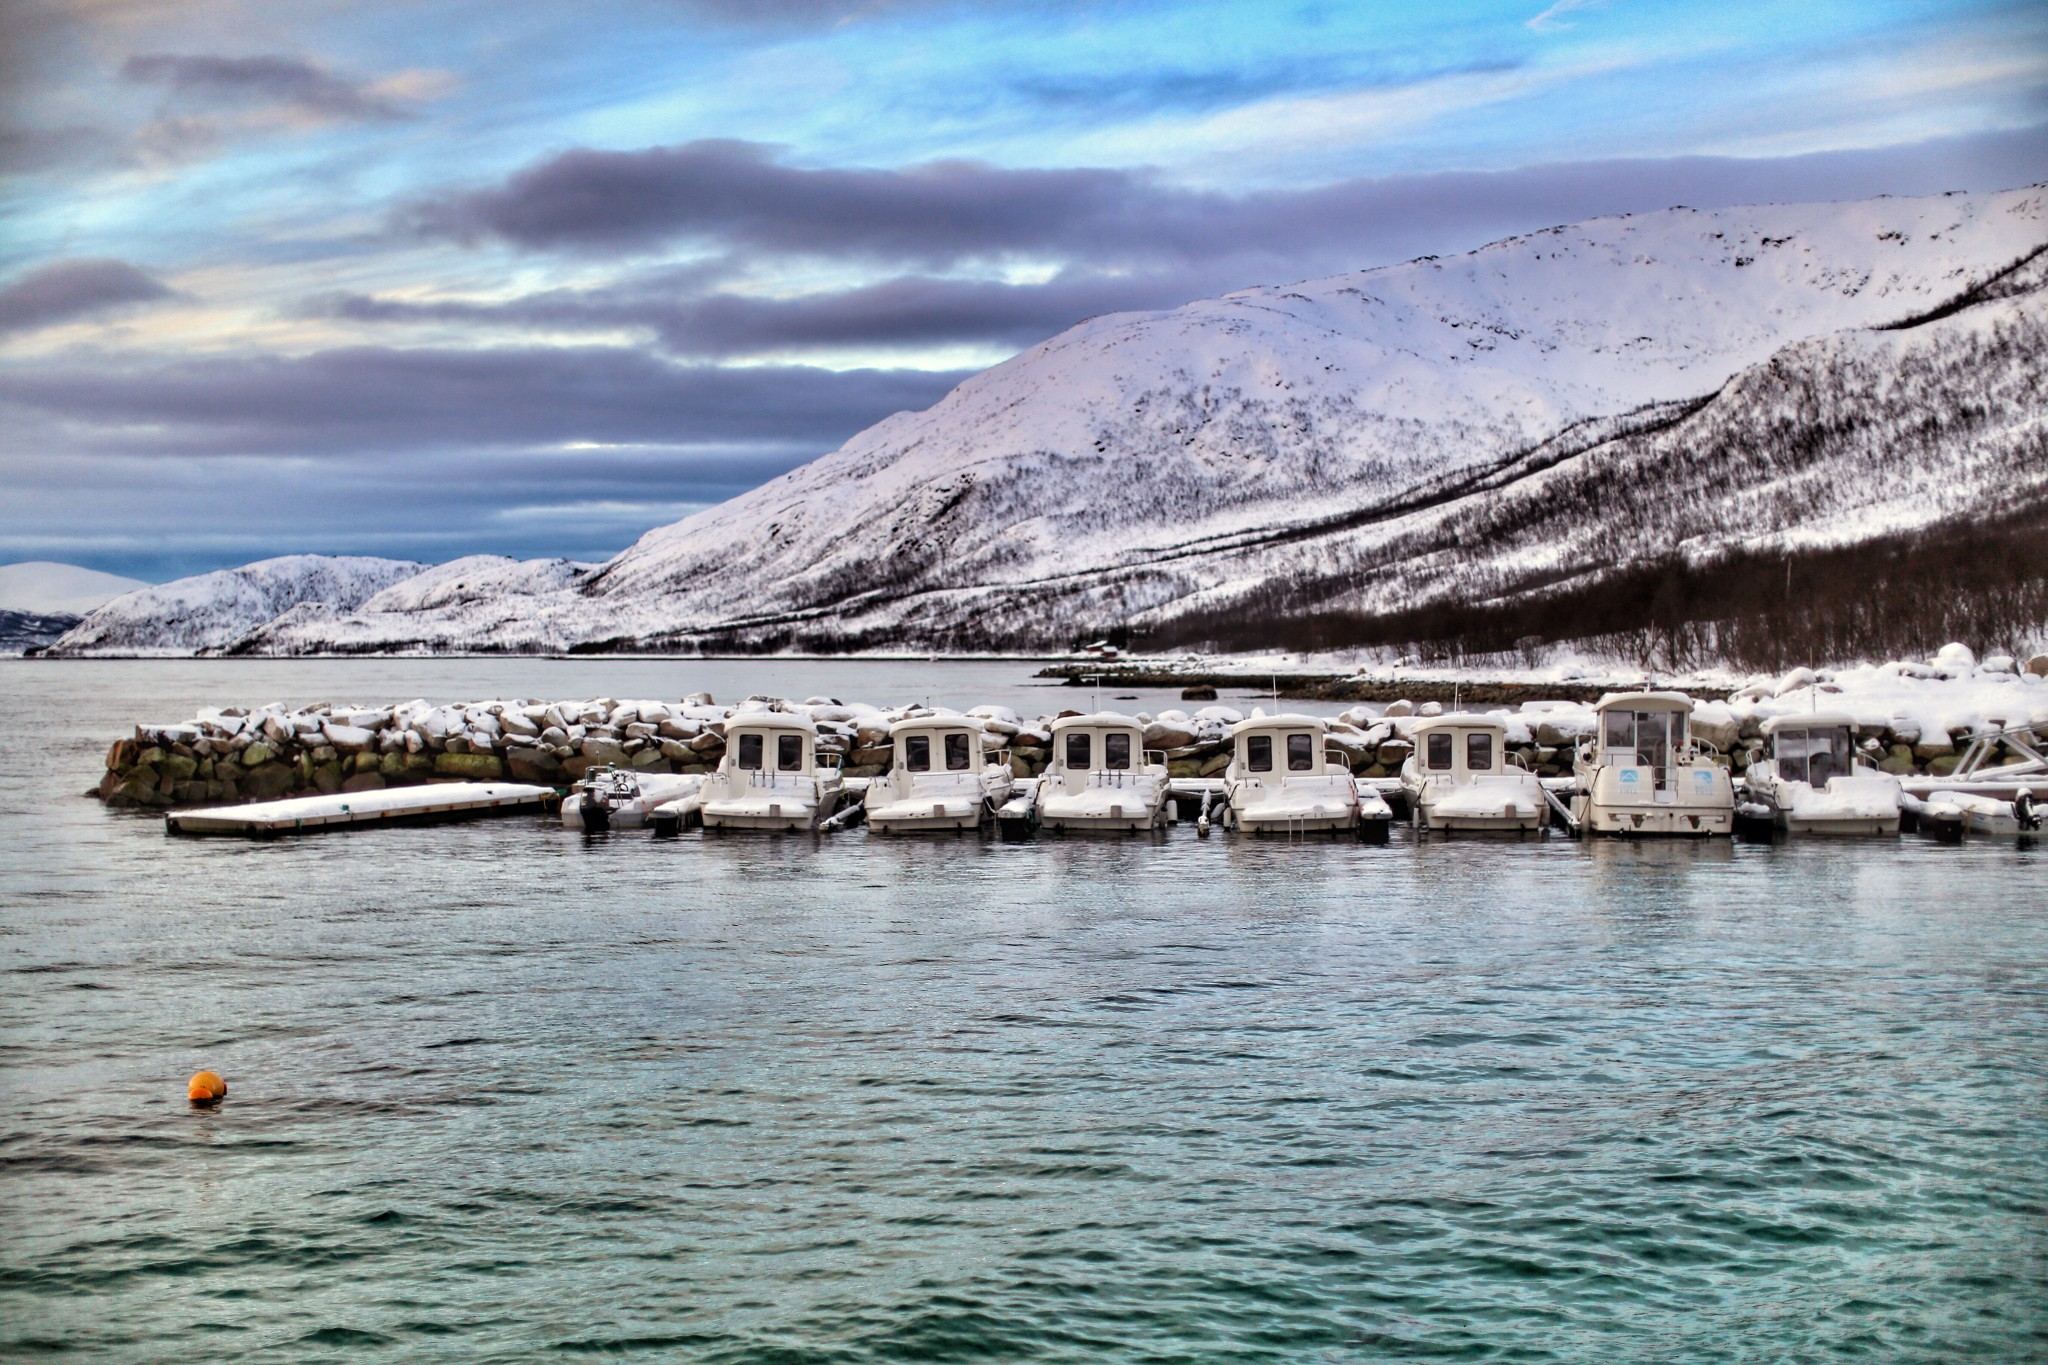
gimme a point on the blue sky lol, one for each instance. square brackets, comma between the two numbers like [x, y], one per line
[427, 280]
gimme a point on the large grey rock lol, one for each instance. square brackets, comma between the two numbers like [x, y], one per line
[600, 750]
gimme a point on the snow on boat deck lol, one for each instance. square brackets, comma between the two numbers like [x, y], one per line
[306, 814]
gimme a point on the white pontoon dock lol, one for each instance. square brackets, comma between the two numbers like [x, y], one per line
[391, 805]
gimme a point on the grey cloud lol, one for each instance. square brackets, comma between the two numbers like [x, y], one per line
[909, 311]
[1129, 243]
[261, 80]
[27, 149]
[157, 519]
[66, 290]
[377, 399]
[739, 193]
[744, 198]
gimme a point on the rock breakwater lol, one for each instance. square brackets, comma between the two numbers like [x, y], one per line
[236, 754]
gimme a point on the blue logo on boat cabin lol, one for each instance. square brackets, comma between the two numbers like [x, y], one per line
[1631, 777]
[1703, 779]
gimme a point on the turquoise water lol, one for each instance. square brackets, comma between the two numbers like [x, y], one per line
[501, 1093]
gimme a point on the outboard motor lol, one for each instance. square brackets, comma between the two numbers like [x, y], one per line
[603, 791]
[2024, 813]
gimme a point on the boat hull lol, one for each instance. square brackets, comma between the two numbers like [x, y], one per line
[1659, 822]
[926, 817]
[760, 813]
[1519, 823]
[1838, 826]
[1317, 822]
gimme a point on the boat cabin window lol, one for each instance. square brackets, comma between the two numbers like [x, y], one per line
[1116, 750]
[956, 752]
[917, 753]
[789, 753]
[1078, 750]
[1643, 738]
[1479, 752]
[1814, 756]
[1439, 752]
[1301, 753]
[1258, 753]
[750, 751]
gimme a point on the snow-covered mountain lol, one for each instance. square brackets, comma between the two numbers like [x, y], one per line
[1536, 412]
[44, 588]
[214, 611]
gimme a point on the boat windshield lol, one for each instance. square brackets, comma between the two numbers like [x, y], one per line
[1479, 752]
[1814, 755]
[956, 752]
[1301, 753]
[750, 751]
[789, 753]
[1643, 738]
[917, 753]
[1258, 753]
[1440, 752]
[1116, 749]
[1078, 749]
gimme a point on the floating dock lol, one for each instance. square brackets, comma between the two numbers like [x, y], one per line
[391, 806]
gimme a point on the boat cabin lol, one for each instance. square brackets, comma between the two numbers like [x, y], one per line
[1270, 748]
[1813, 748]
[1102, 743]
[1643, 730]
[771, 743]
[1459, 746]
[937, 744]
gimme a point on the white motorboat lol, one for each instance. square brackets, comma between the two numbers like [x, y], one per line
[1101, 776]
[1642, 773]
[620, 798]
[1956, 812]
[771, 776]
[1283, 779]
[941, 777]
[1813, 782]
[1461, 779]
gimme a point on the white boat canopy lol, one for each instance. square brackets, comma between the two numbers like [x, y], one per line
[938, 743]
[1645, 701]
[1103, 741]
[1297, 737]
[775, 741]
[1438, 740]
[1810, 720]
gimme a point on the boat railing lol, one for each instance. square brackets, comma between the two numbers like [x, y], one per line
[2021, 739]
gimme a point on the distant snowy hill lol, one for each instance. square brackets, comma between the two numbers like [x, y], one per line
[216, 610]
[43, 588]
[21, 631]
[1541, 412]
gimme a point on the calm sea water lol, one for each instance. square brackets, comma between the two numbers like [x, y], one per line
[499, 1092]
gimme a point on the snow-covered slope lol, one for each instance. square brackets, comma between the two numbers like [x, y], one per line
[44, 588]
[1135, 433]
[1439, 428]
[215, 610]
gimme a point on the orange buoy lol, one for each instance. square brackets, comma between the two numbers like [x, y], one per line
[206, 1088]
